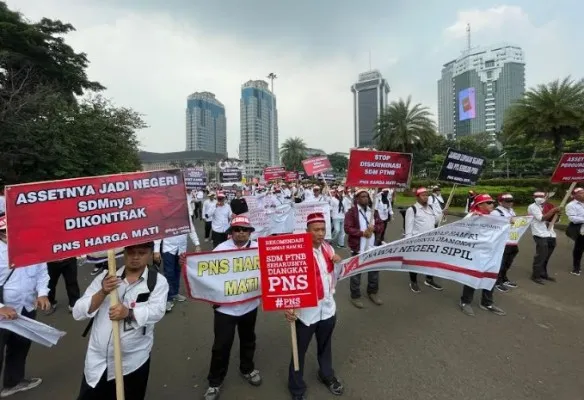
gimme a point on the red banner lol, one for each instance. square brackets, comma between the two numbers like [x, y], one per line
[291, 176]
[569, 169]
[316, 165]
[53, 220]
[273, 173]
[378, 169]
[288, 272]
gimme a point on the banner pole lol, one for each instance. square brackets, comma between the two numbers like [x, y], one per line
[294, 345]
[450, 197]
[114, 299]
[562, 205]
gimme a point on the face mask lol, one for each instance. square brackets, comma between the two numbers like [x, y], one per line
[539, 201]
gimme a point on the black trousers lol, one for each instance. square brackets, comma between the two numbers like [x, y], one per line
[577, 252]
[508, 256]
[372, 283]
[544, 248]
[414, 277]
[207, 229]
[198, 210]
[323, 330]
[218, 238]
[468, 294]
[67, 268]
[224, 328]
[135, 384]
[13, 352]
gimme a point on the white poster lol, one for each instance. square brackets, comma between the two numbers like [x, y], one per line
[302, 210]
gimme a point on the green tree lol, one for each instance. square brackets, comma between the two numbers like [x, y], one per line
[293, 151]
[404, 127]
[338, 161]
[551, 113]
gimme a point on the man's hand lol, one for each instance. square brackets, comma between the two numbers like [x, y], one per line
[291, 315]
[42, 303]
[445, 211]
[8, 313]
[336, 258]
[198, 249]
[118, 312]
[156, 258]
[110, 283]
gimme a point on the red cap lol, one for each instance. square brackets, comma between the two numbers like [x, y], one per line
[577, 190]
[504, 197]
[481, 198]
[539, 194]
[3, 223]
[242, 221]
[220, 194]
[421, 190]
[315, 217]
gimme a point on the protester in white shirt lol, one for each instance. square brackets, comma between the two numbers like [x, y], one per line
[419, 218]
[168, 251]
[505, 209]
[199, 197]
[383, 207]
[208, 205]
[2, 202]
[23, 290]
[435, 200]
[229, 317]
[575, 214]
[338, 217]
[220, 216]
[320, 320]
[545, 238]
[138, 310]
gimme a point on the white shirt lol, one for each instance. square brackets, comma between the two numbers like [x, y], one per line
[308, 195]
[435, 200]
[383, 209]
[347, 203]
[335, 214]
[208, 205]
[199, 196]
[504, 212]
[326, 307]
[424, 220]
[365, 244]
[25, 284]
[575, 213]
[2, 204]
[241, 308]
[220, 217]
[177, 244]
[135, 343]
[539, 227]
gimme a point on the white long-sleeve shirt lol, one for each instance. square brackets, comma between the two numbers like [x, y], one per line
[242, 308]
[177, 244]
[24, 285]
[221, 215]
[208, 206]
[575, 213]
[334, 203]
[383, 209]
[347, 203]
[539, 227]
[137, 337]
[424, 220]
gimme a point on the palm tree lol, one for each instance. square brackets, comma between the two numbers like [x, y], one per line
[403, 127]
[293, 151]
[549, 113]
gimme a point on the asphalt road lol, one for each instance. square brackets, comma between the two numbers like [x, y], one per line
[414, 347]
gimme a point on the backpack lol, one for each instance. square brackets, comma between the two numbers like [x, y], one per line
[403, 213]
[150, 283]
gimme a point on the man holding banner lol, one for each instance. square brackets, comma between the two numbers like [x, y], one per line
[229, 317]
[505, 209]
[544, 236]
[320, 320]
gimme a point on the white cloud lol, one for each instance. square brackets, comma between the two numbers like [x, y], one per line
[151, 62]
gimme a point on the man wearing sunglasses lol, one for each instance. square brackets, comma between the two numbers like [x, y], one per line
[505, 209]
[227, 318]
[483, 204]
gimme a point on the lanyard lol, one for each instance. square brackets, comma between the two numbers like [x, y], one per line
[364, 217]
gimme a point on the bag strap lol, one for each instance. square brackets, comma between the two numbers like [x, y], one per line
[8, 277]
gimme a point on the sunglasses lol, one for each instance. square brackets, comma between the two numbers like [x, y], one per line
[490, 203]
[239, 229]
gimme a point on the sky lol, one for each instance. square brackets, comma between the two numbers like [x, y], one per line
[151, 54]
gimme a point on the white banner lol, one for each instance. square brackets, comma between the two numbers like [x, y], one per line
[223, 277]
[518, 228]
[302, 210]
[33, 330]
[468, 251]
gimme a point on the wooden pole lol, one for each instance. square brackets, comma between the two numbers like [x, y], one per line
[114, 299]
[562, 205]
[294, 345]
[450, 197]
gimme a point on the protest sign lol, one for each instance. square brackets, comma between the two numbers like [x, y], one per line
[461, 168]
[195, 178]
[223, 277]
[371, 168]
[58, 219]
[468, 251]
[273, 173]
[316, 165]
[288, 272]
[258, 218]
[281, 218]
[291, 176]
[230, 175]
[304, 209]
[518, 228]
[569, 169]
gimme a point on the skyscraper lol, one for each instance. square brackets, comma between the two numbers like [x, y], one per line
[369, 101]
[477, 88]
[205, 124]
[258, 146]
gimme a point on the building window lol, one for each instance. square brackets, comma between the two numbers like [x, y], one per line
[490, 64]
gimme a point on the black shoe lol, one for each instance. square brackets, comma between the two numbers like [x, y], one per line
[510, 284]
[539, 281]
[298, 397]
[432, 284]
[333, 385]
[576, 272]
[414, 287]
[549, 278]
[501, 288]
